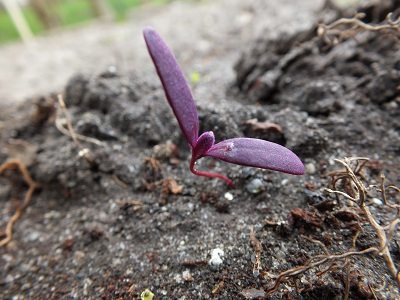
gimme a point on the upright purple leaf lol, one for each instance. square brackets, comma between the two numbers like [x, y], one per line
[257, 153]
[175, 86]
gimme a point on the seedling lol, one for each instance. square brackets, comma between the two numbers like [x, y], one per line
[242, 151]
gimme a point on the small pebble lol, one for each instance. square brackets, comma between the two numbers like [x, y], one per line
[33, 236]
[310, 168]
[86, 285]
[228, 196]
[216, 260]
[79, 257]
[7, 257]
[9, 278]
[377, 201]
[255, 186]
[116, 262]
[187, 276]
[52, 215]
[129, 272]
[178, 278]
[122, 246]
[112, 69]
[392, 105]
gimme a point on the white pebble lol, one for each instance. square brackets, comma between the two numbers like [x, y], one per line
[216, 260]
[187, 276]
[255, 186]
[228, 196]
[178, 278]
[310, 168]
[377, 201]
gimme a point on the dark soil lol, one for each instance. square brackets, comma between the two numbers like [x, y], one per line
[136, 218]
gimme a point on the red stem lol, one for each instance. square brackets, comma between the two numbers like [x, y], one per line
[209, 174]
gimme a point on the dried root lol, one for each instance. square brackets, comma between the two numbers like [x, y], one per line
[64, 125]
[256, 244]
[345, 28]
[316, 262]
[32, 186]
[348, 183]
[359, 196]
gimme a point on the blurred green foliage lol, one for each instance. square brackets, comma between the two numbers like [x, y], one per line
[70, 12]
[8, 32]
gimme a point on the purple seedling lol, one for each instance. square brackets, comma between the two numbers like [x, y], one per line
[242, 151]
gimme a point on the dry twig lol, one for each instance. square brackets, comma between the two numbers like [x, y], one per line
[32, 186]
[256, 244]
[384, 233]
[350, 179]
[315, 262]
[69, 131]
[346, 28]
[61, 123]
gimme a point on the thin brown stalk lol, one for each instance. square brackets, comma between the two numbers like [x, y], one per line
[32, 186]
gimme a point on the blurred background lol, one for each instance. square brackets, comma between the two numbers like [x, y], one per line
[43, 43]
[22, 19]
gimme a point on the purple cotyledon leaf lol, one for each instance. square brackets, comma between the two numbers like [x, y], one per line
[175, 86]
[257, 153]
[242, 151]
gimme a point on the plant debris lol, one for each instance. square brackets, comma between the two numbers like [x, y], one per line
[32, 187]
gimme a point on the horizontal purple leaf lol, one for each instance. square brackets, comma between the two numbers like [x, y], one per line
[257, 153]
[175, 86]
